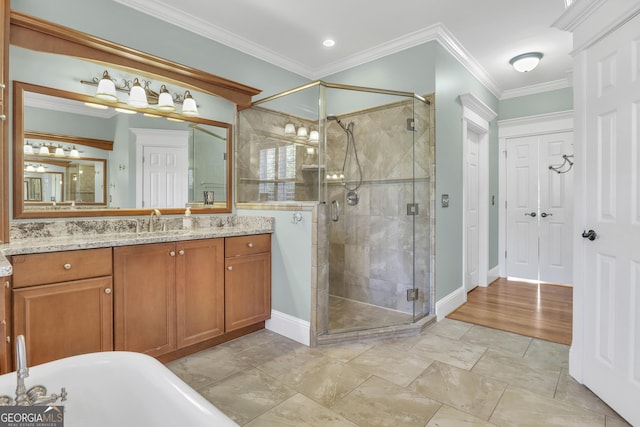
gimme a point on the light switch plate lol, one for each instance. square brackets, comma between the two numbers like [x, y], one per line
[445, 200]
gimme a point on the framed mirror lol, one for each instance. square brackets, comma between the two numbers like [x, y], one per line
[101, 162]
[54, 60]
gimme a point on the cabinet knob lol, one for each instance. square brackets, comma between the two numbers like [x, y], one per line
[250, 244]
[7, 284]
[8, 339]
[172, 253]
[181, 251]
[3, 117]
[67, 266]
[230, 268]
[107, 291]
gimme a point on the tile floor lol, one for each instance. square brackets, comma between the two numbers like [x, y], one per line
[453, 374]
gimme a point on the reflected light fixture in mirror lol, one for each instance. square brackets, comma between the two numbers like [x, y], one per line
[289, 129]
[28, 148]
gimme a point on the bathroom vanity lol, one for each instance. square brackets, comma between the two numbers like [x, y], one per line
[165, 294]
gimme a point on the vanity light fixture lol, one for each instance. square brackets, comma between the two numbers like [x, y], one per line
[74, 153]
[30, 168]
[140, 96]
[40, 168]
[59, 151]
[106, 88]
[28, 148]
[165, 100]
[137, 95]
[189, 107]
[44, 151]
[526, 62]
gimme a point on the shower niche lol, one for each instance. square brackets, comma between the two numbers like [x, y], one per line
[367, 157]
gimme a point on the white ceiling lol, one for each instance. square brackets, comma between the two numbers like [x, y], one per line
[483, 35]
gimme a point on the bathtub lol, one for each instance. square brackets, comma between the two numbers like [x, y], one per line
[120, 389]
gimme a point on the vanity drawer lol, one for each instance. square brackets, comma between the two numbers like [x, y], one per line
[54, 267]
[247, 245]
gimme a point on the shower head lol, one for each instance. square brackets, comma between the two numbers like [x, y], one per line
[332, 117]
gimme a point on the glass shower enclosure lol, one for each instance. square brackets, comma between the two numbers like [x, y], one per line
[366, 156]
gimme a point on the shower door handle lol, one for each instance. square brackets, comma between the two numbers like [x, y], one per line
[335, 211]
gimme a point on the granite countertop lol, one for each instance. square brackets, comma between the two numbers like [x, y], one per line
[65, 242]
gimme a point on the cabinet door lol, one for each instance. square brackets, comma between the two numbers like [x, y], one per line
[247, 290]
[144, 292]
[199, 290]
[64, 319]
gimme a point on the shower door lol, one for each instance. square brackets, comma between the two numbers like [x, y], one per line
[379, 234]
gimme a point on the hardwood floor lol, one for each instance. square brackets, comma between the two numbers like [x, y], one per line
[536, 310]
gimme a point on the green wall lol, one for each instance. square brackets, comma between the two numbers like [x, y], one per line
[539, 103]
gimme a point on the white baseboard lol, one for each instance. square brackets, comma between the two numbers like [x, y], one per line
[493, 274]
[449, 303]
[289, 326]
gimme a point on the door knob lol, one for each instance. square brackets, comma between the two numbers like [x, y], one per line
[544, 214]
[591, 235]
[532, 214]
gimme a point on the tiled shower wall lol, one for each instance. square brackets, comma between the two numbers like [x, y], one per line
[371, 247]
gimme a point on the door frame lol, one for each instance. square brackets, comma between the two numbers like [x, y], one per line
[541, 124]
[476, 116]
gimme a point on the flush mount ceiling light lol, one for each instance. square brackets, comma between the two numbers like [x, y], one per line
[526, 62]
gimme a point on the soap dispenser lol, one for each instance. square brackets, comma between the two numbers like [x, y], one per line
[186, 221]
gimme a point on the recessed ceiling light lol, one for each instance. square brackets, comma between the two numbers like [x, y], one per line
[329, 42]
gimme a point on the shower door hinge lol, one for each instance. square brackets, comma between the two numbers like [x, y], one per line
[411, 124]
[412, 209]
[412, 294]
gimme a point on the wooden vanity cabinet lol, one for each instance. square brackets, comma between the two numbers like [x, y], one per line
[62, 303]
[247, 280]
[168, 295]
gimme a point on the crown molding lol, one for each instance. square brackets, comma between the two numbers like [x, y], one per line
[535, 89]
[173, 15]
[474, 104]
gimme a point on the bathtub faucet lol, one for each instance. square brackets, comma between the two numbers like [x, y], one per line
[36, 395]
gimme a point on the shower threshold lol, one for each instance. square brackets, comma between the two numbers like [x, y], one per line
[354, 321]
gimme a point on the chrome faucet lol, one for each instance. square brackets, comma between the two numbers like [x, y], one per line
[22, 371]
[154, 213]
[36, 395]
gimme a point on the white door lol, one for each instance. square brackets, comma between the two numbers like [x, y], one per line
[164, 177]
[611, 263]
[539, 208]
[472, 207]
[522, 208]
[556, 209]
